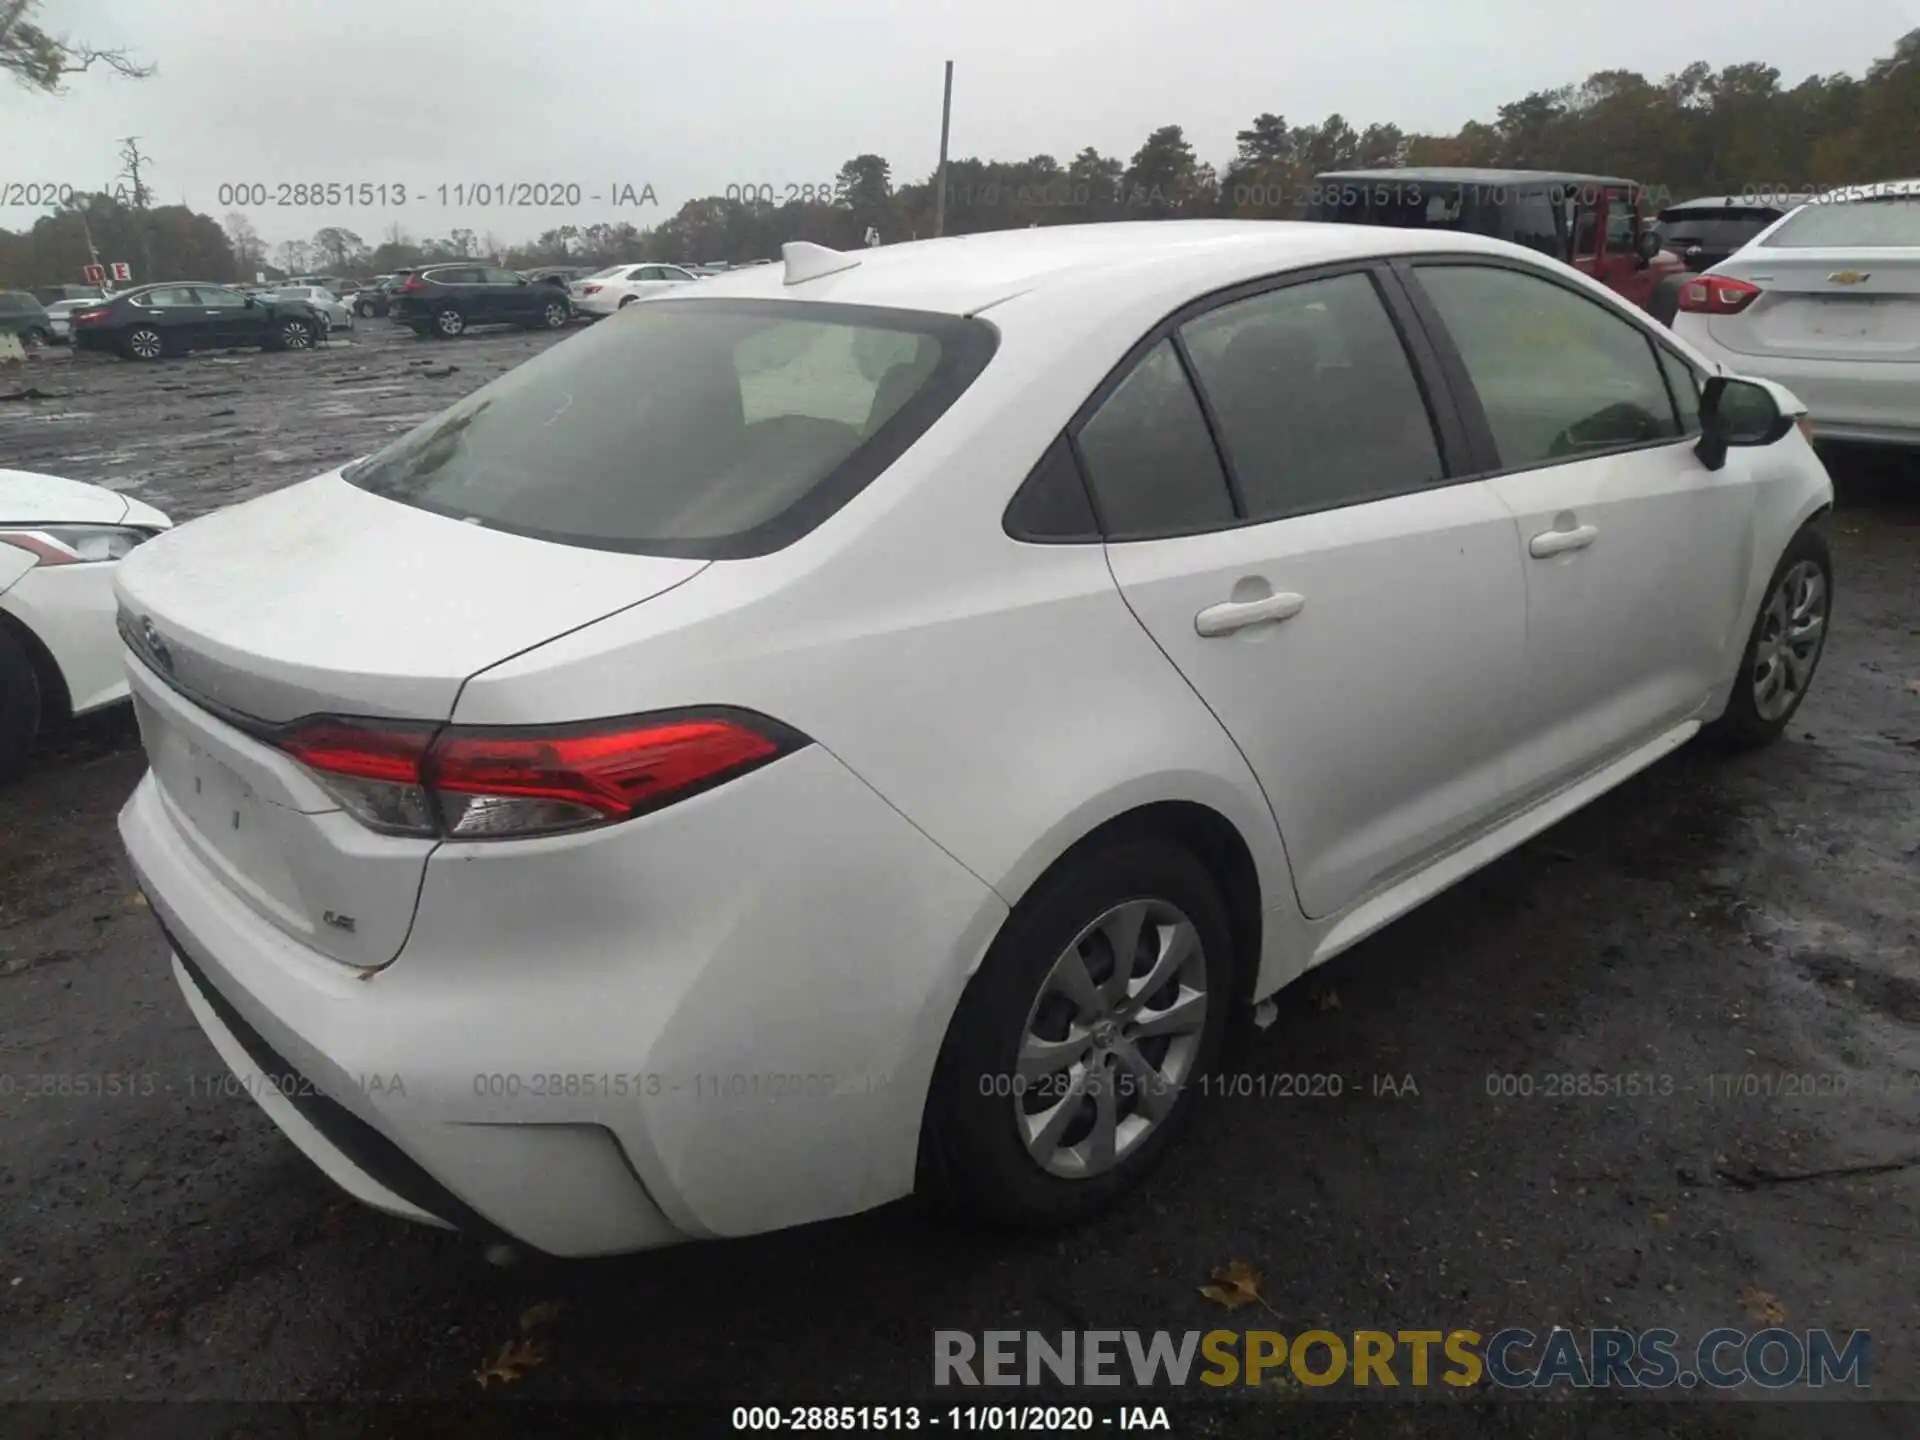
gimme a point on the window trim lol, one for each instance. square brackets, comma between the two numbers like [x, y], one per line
[1467, 397]
[1452, 440]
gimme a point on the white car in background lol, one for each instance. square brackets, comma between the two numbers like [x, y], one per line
[59, 653]
[336, 312]
[618, 285]
[1826, 300]
[59, 318]
[916, 695]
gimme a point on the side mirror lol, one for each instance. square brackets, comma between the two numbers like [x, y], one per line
[1736, 412]
[250, 301]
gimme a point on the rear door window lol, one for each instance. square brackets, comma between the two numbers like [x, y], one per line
[1314, 397]
[713, 429]
[1149, 457]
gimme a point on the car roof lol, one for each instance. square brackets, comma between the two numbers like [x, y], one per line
[1471, 175]
[965, 274]
[1779, 204]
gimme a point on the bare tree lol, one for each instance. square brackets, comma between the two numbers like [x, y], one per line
[42, 62]
[248, 248]
[132, 164]
[293, 256]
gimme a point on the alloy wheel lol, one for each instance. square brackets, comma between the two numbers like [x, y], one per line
[1111, 1039]
[1793, 628]
[145, 344]
[450, 322]
[556, 316]
[296, 336]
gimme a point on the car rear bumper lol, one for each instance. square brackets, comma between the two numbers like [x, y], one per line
[681, 1027]
[601, 304]
[1873, 402]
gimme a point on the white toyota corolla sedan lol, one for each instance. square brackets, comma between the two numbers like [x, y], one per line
[60, 541]
[1827, 301]
[916, 697]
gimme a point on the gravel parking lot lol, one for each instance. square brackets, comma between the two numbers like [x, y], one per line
[1741, 931]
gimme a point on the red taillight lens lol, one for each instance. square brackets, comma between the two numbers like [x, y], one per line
[592, 290]
[479, 782]
[340, 747]
[86, 317]
[413, 282]
[1716, 295]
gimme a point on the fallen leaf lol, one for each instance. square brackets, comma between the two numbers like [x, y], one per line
[1264, 1014]
[138, 900]
[1235, 1284]
[1661, 1220]
[1762, 1307]
[545, 1313]
[1913, 687]
[512, 1359]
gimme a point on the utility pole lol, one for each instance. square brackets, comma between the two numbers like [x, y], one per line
[940, 181]
[131, 160]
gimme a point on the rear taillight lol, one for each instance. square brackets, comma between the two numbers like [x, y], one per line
[592, 290]
[491, 783]
[87, 317]
[413, 283]
[1716, 295]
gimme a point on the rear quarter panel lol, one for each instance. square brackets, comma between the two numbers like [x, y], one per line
[999, 694]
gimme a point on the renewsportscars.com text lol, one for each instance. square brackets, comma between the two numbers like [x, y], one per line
[1513, 1358]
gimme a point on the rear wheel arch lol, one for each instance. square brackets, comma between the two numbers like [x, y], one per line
[56, 704]
[1216, 842]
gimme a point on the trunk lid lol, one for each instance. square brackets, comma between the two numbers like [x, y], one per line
[327, 599]
[1840, 303]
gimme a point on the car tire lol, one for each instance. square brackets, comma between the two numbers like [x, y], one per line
[556, 315]
[1776, 670]
[1664, 303]
[143, 342]
[294, 335]
[363, 310]
[628, 300]
[34, 338]
[19, 706]
[449, 324]
[985, 1151]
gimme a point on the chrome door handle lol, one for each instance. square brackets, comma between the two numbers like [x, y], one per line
[1232, 615]
[1559, 542]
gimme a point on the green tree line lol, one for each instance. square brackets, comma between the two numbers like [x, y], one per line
[1699, 131]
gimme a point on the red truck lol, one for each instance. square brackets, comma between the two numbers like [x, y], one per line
[1599, 224]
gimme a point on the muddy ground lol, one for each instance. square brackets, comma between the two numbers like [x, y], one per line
[1752, 917]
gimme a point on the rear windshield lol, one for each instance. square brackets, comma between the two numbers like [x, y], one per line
[712, 428]
[1723, 229]
[1883, 220]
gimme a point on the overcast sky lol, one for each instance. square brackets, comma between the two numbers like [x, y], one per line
[692, 98]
